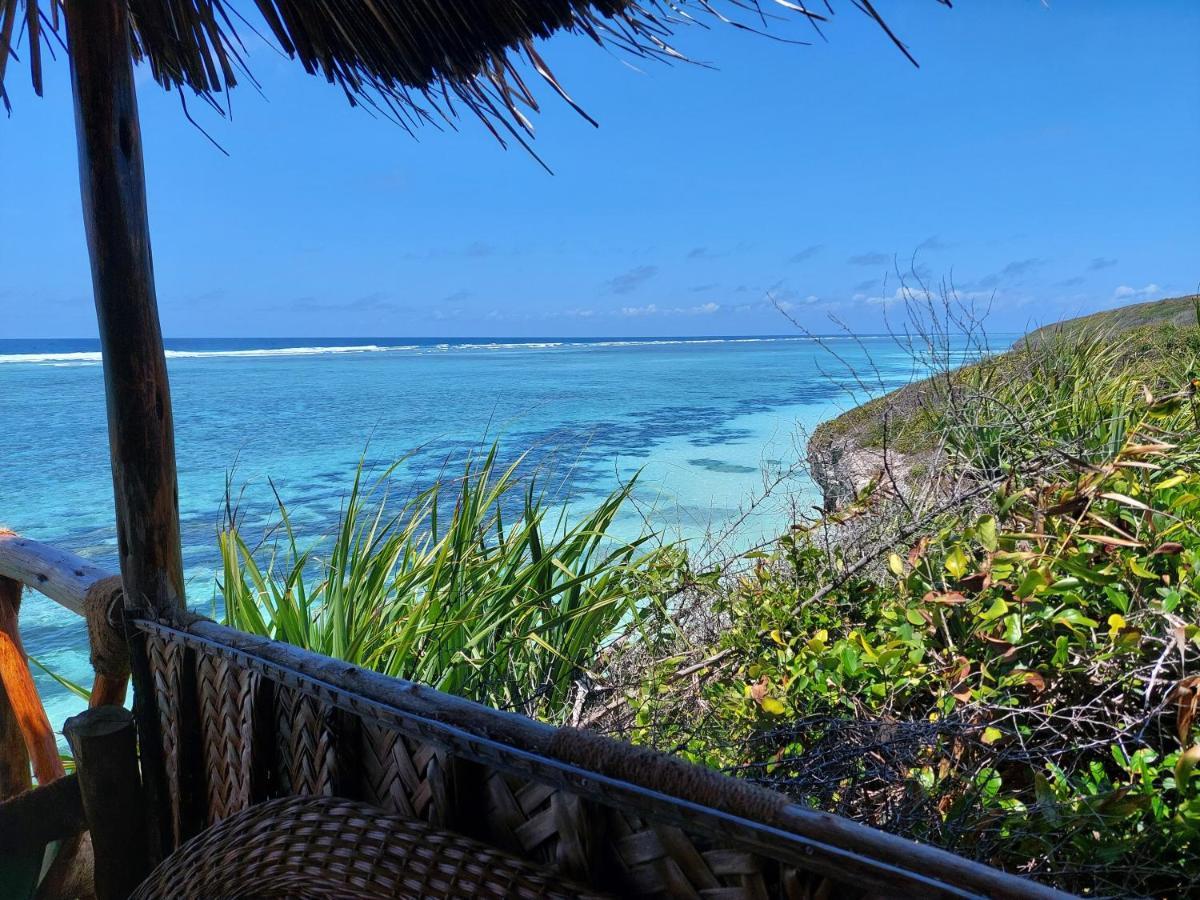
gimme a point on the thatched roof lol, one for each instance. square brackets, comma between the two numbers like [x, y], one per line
[414, 60]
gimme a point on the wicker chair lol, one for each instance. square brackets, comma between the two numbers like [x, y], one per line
[328, 847]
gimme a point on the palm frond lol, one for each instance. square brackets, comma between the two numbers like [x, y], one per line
[414, 61]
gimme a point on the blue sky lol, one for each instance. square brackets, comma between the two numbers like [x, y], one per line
[1043, 155]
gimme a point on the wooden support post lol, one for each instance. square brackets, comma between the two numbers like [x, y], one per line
[112, 182]
[37, 817]
[14, 758]
[108, 690]
[23, 700]
[105, 746]
[140, 430]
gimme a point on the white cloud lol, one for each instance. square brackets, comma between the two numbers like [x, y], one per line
[1125, 292]
[653, 309]
[789, 305]
[900, 295]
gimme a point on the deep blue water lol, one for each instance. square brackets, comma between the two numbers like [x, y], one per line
[704, 419]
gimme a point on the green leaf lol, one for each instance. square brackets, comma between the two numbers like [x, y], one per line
[985, 530]
[896, 564]
[995, 611]
[1034, 579]
[1061, 652]
[1141, 571]
[849, 660]
[956, 562]
[773, 706]
[1073, 619]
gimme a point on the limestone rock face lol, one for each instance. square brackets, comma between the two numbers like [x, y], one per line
[842, 470]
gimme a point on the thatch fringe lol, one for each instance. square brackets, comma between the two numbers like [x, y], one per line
[411, 60]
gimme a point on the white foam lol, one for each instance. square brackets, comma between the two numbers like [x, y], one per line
[94, 357]
[66, 359]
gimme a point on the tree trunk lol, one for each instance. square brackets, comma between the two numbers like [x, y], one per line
[140, 433]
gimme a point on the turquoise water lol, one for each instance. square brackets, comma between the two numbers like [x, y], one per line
[708, 422]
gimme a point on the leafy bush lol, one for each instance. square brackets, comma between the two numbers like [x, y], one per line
[1016, 682]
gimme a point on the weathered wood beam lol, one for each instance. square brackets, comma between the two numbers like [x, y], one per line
[17, 683]
[108, 690]
[140, 426]
[62, 576]
[105, 745]
[36, 817]
[15, 776]
[68, 580]
[113, 186]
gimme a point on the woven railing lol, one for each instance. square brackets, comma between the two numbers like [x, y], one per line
[243, 720]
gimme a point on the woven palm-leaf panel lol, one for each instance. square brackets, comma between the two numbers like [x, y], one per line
[226, 695]
[405, 776]
[306, 745]
[653, 859]
[543, 824]
[166, 659]
[618, 851]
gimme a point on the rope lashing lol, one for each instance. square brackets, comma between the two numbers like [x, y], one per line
[106, 632]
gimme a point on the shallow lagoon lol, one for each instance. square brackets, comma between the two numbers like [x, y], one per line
[706, 421]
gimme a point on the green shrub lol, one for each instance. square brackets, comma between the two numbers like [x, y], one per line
[1014, 682]
[474, 588]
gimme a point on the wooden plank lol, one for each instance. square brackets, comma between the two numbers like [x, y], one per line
[105, 744]
[23, 700]
[61, 576]
[33, 819]
[15, 776]
[140, 426]
[141, 434]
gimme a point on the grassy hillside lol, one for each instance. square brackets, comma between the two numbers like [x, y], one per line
[1175, 311]
[906, 421]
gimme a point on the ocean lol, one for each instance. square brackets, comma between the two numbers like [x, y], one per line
[706, 424]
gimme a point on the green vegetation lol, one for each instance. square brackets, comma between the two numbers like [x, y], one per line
[1175, 311]
[1015, 680]
[1011, 671]
[488, 599]
[905, 420]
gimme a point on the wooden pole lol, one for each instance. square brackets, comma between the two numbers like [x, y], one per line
[112, 182]
[140, 430]
[105, 746]
[17, 683]
[14, 758]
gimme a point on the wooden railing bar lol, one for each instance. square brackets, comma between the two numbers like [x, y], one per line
[62, 576]
[520, 745]
[813, 839]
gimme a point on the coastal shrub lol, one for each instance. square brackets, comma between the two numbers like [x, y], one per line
[1017, 681]
[476, 586]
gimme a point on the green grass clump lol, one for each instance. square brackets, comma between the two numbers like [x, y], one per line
[474, 588]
